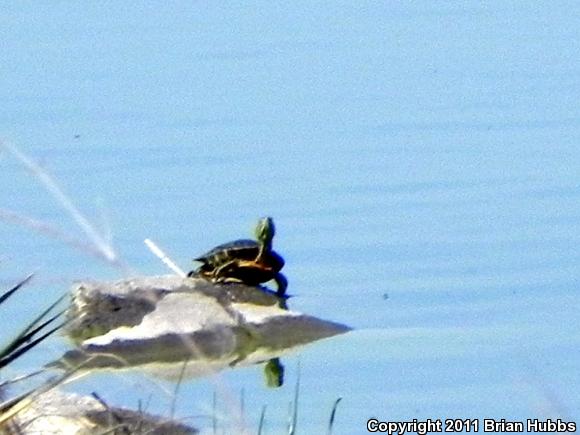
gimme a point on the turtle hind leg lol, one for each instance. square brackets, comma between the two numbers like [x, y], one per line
[204, 271]
[198, 273]
[220, 273]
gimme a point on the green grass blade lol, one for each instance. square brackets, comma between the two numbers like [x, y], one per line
[14, 289]
[293, 424]
[262, 419]
[28, 334]
[18, 352]
[43, 314]
[31, 329]
[333, 416]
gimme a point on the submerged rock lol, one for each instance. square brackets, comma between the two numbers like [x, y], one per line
[56, 412]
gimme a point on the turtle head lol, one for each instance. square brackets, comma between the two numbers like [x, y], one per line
[265, 231]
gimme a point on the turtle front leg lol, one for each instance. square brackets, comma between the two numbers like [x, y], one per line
[282, 284]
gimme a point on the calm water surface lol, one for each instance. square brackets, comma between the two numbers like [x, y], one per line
[421, 161]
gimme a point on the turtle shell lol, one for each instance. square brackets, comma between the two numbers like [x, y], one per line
[245, 251]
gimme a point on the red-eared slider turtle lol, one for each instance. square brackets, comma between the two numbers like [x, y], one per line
[251, 262]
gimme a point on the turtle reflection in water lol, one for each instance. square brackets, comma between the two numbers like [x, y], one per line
[251, 262]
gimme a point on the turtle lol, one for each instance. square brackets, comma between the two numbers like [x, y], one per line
[251, 262]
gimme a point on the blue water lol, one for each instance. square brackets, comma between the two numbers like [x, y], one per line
[421, 160]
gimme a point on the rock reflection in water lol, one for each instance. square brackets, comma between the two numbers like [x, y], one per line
[157, 323]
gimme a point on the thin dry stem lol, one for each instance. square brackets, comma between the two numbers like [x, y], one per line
[57, 193]
[164, 258]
